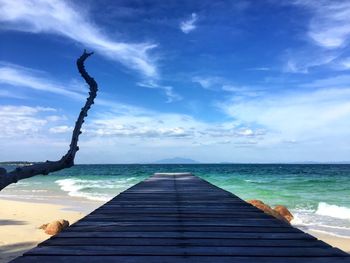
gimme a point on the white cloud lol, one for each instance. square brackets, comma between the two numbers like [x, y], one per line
[330, 24]
[340, 81]
[301, 61]
[307, 115]
[190, 24]
[328, 33]
[19, 121]
[61, 129]
[152, 136]
[23, 77]
[62, 18]
[172, 128]
[221, 84]
[260, 69]
[168, 90]
[53, 118]
[106, 132]
[209, 82]
[343, 64]
[19, 76]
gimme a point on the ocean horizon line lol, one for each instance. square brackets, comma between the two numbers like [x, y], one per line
[184, 163]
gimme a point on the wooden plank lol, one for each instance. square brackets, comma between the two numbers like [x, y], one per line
[184, 250]
[164, 234]
[171, 211]
[225, 242]
[178, 259]
[172, 202]
[182, 207]
[179, 223]
[157, 211]
[155, 228]
[189, 221]
[153, 216]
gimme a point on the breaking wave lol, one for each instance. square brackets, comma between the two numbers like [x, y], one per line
[96, 190]
[335, 211]
[328, 219]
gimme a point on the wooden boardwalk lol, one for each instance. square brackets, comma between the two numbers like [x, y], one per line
[181, 218]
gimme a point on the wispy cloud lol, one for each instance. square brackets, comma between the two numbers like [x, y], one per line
[171, 128]
[137, 133]
[307, 114]
[260, 69]
[168, 90]
[222, 84]
[343, 64]
[309, 57]
[18, 76]
[189, 25]
[329, 32]
[61, 129]
[340, 81]
[330, 24]
[209, 82]
[18, 121]
[62, 18]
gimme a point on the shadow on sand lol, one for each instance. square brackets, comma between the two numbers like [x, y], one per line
[8, 222]
[11, 251]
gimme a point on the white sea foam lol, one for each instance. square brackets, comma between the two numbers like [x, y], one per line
[326, 218]
[297, 220]
[93, 189]
[335, 211]
[75, 187]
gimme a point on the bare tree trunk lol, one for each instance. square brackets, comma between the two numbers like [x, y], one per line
[67, 160]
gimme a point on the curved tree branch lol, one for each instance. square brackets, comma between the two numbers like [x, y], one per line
[67, 160]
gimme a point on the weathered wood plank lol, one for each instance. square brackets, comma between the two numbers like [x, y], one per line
[57, 241]
[180, 223]
[178, 259]
[193, 221]
[197, 212]
[153, 216]
[156, 210]
[237, 235]
[185, 250]
[155, 228]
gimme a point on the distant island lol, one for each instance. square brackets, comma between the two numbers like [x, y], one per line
[176, 160]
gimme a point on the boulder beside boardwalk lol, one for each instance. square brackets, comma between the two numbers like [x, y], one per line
[55, 227]
[280, 212]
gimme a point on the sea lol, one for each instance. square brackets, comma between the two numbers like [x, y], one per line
[318, 195]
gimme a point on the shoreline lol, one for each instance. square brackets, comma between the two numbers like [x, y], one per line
[339, 242]
[19, 222]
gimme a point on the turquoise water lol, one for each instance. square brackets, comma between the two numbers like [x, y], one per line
[318, 195]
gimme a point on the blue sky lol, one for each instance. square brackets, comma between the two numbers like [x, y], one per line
[215, 81]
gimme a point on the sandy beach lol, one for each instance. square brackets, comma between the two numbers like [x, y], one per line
[339, 242]
[19, 222]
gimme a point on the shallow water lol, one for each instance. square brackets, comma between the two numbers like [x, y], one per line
[318, 195]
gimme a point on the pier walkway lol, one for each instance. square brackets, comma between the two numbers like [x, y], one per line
[181, 218]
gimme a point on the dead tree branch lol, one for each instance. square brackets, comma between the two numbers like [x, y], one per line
[67, 160]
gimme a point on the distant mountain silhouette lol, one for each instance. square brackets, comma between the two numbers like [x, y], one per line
[176, 160]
